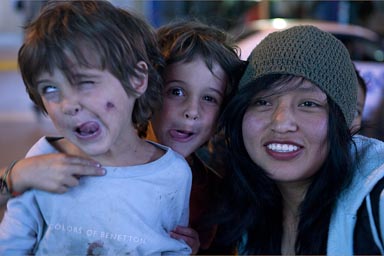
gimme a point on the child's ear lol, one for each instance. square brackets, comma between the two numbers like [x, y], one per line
[140, 81]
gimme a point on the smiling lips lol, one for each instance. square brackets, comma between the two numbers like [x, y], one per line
[283, 151]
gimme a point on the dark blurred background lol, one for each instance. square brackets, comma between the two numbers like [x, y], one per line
[21, 125]
[232, 13]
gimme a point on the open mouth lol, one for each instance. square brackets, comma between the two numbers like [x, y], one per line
[87, 129]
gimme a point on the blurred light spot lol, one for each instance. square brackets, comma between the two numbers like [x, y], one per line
[279, 23]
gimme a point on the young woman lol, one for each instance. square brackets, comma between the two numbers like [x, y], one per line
[299, 178]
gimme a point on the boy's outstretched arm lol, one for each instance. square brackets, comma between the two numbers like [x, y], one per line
[50, 172]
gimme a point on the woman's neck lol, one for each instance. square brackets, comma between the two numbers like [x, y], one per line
[293, 194]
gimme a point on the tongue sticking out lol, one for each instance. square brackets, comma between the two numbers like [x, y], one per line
[180, 134]
[87, 129]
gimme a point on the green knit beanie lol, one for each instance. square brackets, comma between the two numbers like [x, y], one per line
[311, 53]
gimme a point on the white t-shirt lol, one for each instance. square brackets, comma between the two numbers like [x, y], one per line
[130, 210]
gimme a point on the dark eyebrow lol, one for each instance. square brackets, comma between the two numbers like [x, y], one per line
[85, 75]
[43, 81]
[217, 91]
[174, 81]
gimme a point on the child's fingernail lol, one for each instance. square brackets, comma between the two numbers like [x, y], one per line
[102, 171]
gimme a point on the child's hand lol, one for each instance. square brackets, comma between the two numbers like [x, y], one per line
[189, 235]
[52, 172]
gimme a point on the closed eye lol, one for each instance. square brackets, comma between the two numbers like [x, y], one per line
[86, 84]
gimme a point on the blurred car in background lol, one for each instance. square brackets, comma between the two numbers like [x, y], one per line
[365, 47]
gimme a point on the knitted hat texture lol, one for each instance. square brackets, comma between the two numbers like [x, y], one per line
[311, 53]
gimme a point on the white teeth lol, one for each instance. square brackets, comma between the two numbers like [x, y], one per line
[282, 147]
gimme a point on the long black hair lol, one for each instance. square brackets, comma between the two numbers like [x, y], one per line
[252, 203]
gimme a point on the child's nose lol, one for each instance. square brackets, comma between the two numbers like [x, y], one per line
[192, 110]
[70, 106]
[192, 116]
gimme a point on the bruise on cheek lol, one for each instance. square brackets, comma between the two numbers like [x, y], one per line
[110, 105]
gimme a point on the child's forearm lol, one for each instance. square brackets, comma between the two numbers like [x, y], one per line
[52, 172]
[13, 181]
[3, 196]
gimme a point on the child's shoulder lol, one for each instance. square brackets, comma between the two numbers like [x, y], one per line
[171, 159]
[169, 153]
[43, 146]
[49, 144]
